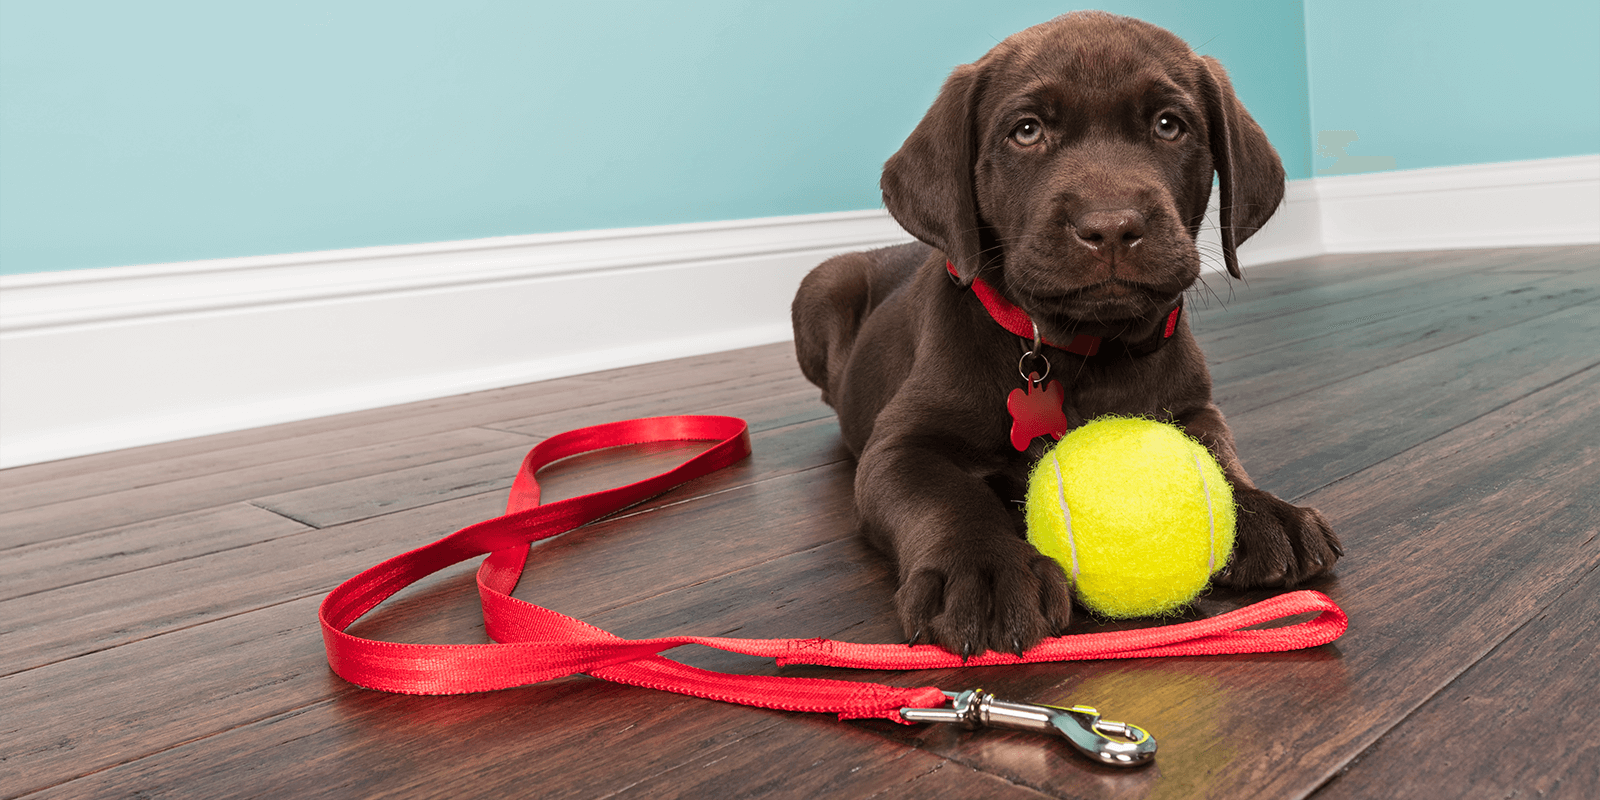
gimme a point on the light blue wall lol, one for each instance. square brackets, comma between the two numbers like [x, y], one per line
[1429, 83]
[155, 131]
[158, 131]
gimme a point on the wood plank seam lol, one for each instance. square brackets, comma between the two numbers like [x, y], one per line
[1576, 374]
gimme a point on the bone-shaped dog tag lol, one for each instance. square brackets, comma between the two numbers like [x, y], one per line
[1036, 413]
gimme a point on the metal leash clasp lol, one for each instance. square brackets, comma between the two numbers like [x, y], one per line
[1115, 743]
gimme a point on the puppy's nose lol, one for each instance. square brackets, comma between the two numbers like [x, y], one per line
[1110, 233]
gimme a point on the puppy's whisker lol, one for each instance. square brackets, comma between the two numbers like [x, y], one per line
[1208, 290]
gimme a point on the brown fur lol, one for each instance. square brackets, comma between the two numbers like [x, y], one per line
[1091, 228]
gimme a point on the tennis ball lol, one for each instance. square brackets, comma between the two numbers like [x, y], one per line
[1138, 514]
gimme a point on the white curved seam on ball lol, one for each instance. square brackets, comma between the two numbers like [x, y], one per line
[1211, 518]
[1066, 515]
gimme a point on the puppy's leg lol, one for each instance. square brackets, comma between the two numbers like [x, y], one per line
[834, 299]
[827, 312]
[1276, 543]
[968, 580]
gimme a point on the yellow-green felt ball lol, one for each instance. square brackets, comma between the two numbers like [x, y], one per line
[1138, 514]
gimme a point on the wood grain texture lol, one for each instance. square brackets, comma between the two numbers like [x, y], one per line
[1288, 290]
[74, 620]
[157, 606]
[168, 495]
[1308, 441]
[72, 561]
[98, 651]
[1520, 722]
[410, 487]
[1259, 364]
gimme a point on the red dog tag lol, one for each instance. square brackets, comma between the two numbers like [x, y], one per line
[1035, 413]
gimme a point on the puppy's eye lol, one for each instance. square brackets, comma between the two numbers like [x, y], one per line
[1169, 127]
[1028, 132]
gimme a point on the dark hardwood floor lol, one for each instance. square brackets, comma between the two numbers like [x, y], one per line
[159, 634]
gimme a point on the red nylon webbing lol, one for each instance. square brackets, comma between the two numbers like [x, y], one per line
[1017, 322]
[533, 644]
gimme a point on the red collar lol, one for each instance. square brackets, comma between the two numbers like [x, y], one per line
[1016, 321]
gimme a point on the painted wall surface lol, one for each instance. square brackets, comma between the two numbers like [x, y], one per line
[1432, 83]
[135, 133]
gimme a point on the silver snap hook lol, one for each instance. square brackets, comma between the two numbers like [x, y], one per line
[1117, 744]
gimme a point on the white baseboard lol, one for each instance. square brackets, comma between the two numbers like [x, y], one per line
[1552, 201]
[97, 360]
[1515, 204]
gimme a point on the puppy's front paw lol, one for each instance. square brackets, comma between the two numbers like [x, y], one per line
[1002, 595]
[1278, 544]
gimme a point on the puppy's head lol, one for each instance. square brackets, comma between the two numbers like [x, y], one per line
[1071, 165]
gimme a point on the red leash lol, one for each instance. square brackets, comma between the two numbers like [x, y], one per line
[534, 644]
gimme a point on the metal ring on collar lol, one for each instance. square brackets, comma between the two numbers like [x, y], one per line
[1022, 369]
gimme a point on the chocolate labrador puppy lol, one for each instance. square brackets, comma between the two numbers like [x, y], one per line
[1057, 187]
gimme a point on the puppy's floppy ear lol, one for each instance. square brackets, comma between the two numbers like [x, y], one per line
[927, 184]
[1248, 169]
